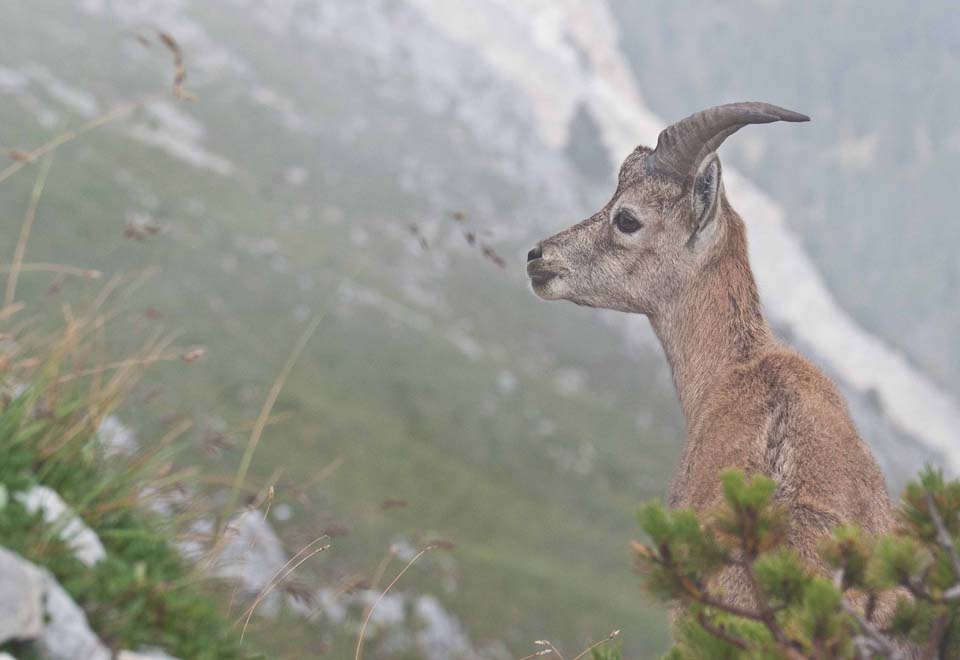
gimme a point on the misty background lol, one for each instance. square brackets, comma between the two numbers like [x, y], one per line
[384, 165]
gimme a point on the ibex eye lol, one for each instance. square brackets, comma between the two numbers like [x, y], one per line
[626, 221]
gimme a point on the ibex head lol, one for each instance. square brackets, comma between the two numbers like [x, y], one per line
[662, 224]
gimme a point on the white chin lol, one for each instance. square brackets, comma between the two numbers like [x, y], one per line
[549, 290]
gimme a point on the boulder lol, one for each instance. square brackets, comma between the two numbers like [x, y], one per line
[67, 635]
[116, 438]
[251, 555]
[21, 598]
[73, 531]
[34, 607]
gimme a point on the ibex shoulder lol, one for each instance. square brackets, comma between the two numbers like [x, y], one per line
[780, 375]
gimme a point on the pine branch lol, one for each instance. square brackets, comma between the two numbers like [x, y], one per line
[936, 636]
[721, 633]
[944, 540]
[786, 645]
[872, 638]
[913, 558]
[943, 536]
[767, 616]
[741, 612]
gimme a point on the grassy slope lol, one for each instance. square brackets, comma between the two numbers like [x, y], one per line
[541, 552]
[141, 593]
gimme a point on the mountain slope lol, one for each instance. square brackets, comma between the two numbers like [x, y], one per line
[353, 161]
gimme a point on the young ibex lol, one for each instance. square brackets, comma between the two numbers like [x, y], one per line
[668, 245]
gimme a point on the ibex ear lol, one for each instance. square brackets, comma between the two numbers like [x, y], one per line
[706, 192]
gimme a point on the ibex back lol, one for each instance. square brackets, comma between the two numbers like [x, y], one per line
[669, 245]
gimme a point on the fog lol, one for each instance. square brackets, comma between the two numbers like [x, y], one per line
[379, 168]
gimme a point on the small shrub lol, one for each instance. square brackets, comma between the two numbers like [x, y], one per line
[799, 613]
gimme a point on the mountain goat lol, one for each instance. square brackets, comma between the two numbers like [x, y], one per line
[670, 246]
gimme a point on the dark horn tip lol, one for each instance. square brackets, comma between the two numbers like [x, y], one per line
[789, 115]
[778, 113]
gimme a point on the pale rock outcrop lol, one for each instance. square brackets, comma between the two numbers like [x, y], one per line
[73, 531]
[21, 598]
[34, 607]
[116, 438]
[67, 635]
[251, 555]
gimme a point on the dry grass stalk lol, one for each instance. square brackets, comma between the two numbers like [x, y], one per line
[107, 398]
[25, 230]
[142, 361]
[9, 311]
[166, 441]
[366, 619]
[613, 635]
[118, 112]
[265, 411]
[22, 158]
[381, 569]
[85, 273]
[282, 574]
[321, 475]
[180, 69]
[135, 498]
[258, 497]
[359, 582]
[548, 648]
[74, 353]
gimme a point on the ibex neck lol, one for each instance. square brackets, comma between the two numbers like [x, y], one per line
[715, 324]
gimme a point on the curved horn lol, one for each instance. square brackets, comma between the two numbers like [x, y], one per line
[683, 146]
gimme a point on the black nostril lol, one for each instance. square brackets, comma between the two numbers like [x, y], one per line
[535, 253]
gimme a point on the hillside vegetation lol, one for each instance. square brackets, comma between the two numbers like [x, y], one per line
[432, 381]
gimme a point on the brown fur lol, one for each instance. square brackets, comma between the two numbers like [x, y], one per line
[750, 402]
